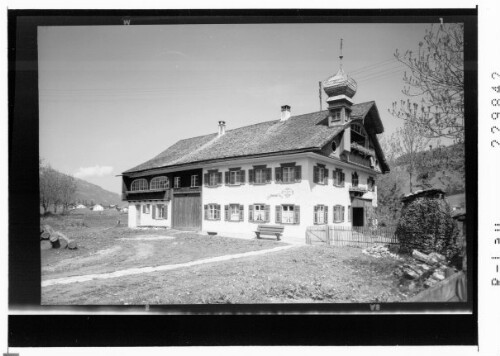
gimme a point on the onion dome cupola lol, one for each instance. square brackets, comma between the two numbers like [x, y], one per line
[340, 89]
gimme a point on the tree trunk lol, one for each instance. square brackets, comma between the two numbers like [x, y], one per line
[45, 245]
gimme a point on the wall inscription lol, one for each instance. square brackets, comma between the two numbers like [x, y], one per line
[285, 193]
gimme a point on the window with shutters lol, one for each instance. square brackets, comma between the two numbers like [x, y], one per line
[194, 181]
[146, 208]
[287, 214]
[371, 184]
[233, 212]
[355, 179]
[320, 214]
[139, 184]
[259, 213]
[259, 175]
[320, 174]
[159, 183]
[160, 212]
[213, 178]
[338, 213]
[177, 182]
[288, 173]
[235, 177]
[338, 177]
[212, 212]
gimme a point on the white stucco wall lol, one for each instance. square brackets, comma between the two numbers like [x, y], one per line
[147, 219]
[306, 194]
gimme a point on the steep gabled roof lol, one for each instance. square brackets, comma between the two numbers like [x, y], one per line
[302, 132]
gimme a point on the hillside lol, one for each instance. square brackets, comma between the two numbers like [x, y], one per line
[88, 192]
[440, 168]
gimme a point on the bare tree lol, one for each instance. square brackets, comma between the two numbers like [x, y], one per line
[67, 191]
[435, 83]
[407, 143]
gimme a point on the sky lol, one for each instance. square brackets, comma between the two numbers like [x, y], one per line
[112, 97]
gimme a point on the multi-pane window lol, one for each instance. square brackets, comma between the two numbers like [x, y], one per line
[288, 173]
[355, 179]
[212, 212]
[233, 212]
[320, 174]
[160, 212]
[194, 180]
[213, 178]
[258, 213]
[338, 177]
[139, 184]
[235, 177]
[146, 208]
[177, 182]
[159, 183]
[321, 214]
[338, 213]
[287, 214]
[260, 175]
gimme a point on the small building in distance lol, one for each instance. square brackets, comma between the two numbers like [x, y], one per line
[294, 170]
[97, 207]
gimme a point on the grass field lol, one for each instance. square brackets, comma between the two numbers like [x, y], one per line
[304, 274]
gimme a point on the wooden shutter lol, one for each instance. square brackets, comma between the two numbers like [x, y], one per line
[298, 173]
[219, 177]
[217, 212]
[226, 212]
[241, 212]
[315, 214]
[251, 176]
[278, 175]
[226, 177]
[315, 174]
[206, 212]
[242, 177]
[166, 211]
[268, 175]
[296, 214]
[342, 182]
[250, 213]
[278, 214]
[334, 177]
[326, 176]
[349, 213]
[326, 214]
[205, 179]
[342, 213]
[154, 211]
[267, 213]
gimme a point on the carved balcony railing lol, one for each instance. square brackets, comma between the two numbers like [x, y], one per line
[148, 194]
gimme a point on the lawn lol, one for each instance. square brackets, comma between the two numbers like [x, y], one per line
[304, 274]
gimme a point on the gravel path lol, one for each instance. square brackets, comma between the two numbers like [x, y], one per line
[132, 271]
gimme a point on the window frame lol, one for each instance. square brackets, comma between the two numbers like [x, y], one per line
[354, 179]
[196, 181]
[160, 207]
[213, 210]
[177, 182]
[289, 212]
[338, 214]
[320, 214]
[144, 185]
[158, 181]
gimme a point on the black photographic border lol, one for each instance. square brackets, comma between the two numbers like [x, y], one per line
[190, 325]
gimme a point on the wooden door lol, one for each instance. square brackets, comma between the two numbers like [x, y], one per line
[358, 216]
[186, 211]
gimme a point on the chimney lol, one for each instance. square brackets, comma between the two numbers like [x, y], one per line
[222, 128]
[285, 112]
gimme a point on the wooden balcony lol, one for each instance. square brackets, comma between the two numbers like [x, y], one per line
[149, 194]
[186, 190]
[360, 160]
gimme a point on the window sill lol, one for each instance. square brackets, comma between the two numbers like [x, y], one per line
[280, 182]
[212, 219]
[234, 185]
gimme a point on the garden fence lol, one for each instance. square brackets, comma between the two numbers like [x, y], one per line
[350, 236]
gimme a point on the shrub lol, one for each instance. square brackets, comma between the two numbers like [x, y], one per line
[426, 225]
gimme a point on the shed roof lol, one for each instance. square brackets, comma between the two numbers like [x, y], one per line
[306, 132]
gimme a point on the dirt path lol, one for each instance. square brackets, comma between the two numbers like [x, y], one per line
[140, 270]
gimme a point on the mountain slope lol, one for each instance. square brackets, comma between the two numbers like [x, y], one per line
[87, 193]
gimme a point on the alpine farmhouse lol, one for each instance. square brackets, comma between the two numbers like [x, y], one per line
[296, 171]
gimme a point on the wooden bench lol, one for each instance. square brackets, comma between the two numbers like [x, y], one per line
[270, 230]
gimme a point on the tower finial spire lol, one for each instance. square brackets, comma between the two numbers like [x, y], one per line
[341, 56]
